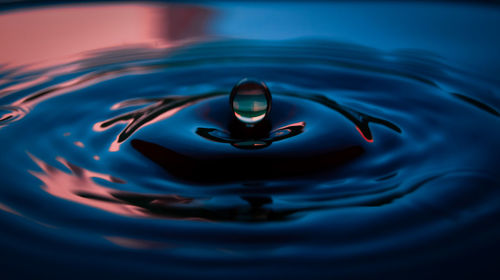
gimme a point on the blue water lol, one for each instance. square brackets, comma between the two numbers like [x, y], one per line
[122, 158]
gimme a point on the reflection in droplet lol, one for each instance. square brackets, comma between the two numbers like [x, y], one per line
[250, 101]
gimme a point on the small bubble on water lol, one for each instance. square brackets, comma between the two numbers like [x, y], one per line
[250, 101]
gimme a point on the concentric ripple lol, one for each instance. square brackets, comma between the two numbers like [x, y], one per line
[363, 152]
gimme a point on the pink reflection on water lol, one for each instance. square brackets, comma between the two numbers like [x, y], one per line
[78, 186]
[288, 126]
[78, 37]
[79, 144]
[23, 85]
[71, 185]
[139, 119]
[7, 209]
[51, 35]
[115, 146]
[134, 243]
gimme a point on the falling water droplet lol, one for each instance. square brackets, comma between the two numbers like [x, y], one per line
[250, 101]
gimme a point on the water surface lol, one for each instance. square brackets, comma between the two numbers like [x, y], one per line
[122, 158]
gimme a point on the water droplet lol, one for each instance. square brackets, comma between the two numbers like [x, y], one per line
[250, 101]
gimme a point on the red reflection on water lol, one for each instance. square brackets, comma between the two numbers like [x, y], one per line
[364, 137]
[47, 36]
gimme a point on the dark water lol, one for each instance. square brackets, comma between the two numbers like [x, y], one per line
[125, 161]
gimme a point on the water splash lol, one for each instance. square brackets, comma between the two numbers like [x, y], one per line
[364, 153]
